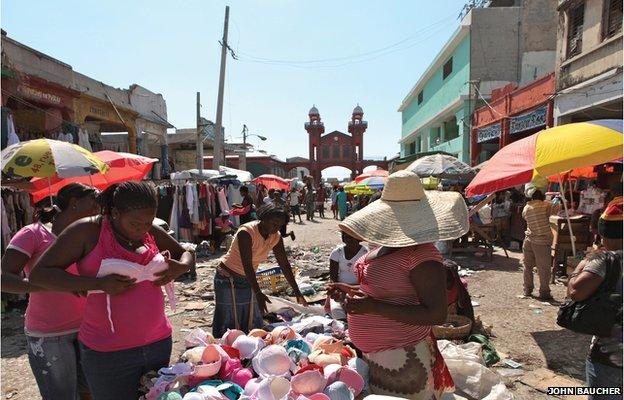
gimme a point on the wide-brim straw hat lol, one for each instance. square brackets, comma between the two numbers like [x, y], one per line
[407, 215]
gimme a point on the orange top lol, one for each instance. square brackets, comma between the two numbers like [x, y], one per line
[260, 248]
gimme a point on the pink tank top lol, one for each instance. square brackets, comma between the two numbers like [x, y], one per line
[138, 314]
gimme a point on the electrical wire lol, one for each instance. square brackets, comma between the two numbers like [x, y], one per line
[354, 58]
[487, 102]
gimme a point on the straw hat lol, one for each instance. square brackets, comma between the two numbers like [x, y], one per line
[406, 215]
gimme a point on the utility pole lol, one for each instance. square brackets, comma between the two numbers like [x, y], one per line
[219, 145]
[243, 162]
[200, 140]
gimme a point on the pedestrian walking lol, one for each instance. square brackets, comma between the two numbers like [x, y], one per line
[341, 203]
[537, 242]
[334, 206]
[402, 286]
[124, 332]
[604, 361]
[52, 319]
[320, 201]
[310, 200]
[239, 301]
[295, 208]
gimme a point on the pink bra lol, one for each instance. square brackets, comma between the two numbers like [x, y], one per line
[140, 272]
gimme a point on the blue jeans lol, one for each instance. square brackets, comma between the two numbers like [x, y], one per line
[600, 375]
[55, 362]
[115, 375]
[235, 305]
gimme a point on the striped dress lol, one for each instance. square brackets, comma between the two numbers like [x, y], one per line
[404, 360]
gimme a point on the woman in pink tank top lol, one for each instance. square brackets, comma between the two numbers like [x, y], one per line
[52, 318]
[125, 332]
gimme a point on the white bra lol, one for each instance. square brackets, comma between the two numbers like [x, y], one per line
[140, 272]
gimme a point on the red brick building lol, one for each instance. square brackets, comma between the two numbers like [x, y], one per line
[513, 113]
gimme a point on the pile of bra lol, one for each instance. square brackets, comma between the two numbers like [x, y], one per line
[276, 365]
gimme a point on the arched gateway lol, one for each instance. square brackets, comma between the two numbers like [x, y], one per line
[335, 148]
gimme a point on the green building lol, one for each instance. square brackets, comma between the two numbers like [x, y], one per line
[492, 46]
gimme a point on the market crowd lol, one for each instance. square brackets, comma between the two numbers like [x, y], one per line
[95, 267]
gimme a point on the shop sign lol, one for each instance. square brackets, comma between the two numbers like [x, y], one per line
[38, 95]
[99, 111]
[489, 133]
[527, 121]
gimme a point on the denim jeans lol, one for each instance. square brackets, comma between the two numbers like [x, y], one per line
[600, 375]
[55, 362]
[235, 308]
[115, 375]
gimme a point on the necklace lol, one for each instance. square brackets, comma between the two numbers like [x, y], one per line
[123, 240]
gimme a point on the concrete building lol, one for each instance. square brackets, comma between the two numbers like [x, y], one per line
[589, 60]
[505, 42]
[512, 114]
[46, 96]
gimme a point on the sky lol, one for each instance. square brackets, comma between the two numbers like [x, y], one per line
[292, 54]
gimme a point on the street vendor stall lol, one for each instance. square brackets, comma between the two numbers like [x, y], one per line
[550, 152]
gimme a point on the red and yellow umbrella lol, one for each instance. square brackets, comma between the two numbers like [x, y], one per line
[121, 167]
[550, 152]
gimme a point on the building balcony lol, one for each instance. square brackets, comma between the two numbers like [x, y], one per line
[453, 146]
[359, 123]
[308, 124]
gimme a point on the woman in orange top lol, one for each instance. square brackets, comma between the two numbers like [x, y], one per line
[239, 302]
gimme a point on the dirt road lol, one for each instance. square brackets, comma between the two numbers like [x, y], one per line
[525, 329]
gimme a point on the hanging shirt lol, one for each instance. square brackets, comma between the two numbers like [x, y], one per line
[12, 135]
[83, 139]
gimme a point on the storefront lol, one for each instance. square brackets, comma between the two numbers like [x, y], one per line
[98, 116]
[512, 114]
[34, 108]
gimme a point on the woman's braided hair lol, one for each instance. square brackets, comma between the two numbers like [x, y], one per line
[128, 196]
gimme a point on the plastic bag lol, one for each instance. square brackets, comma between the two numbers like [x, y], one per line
[489, 351]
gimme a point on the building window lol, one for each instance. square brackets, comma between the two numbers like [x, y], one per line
[346, 152]
[325, 150]
[612, 18]
[336, 151]
[451, 129]
[448, 68]
[420, 97]
[576, 17]
[412, 148]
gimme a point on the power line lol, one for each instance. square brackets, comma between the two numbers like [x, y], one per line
[252, 58]
[335, 66]
[487, 102]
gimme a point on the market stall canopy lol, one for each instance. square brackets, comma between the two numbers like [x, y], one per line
[583, 172]
[46, 158]
[441, 166]
[550, 152]
[272, 182]
[243, 176]
[121, 167]
[375, 173]
[205, 173]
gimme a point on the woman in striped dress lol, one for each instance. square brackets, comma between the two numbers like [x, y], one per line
[402, 286]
